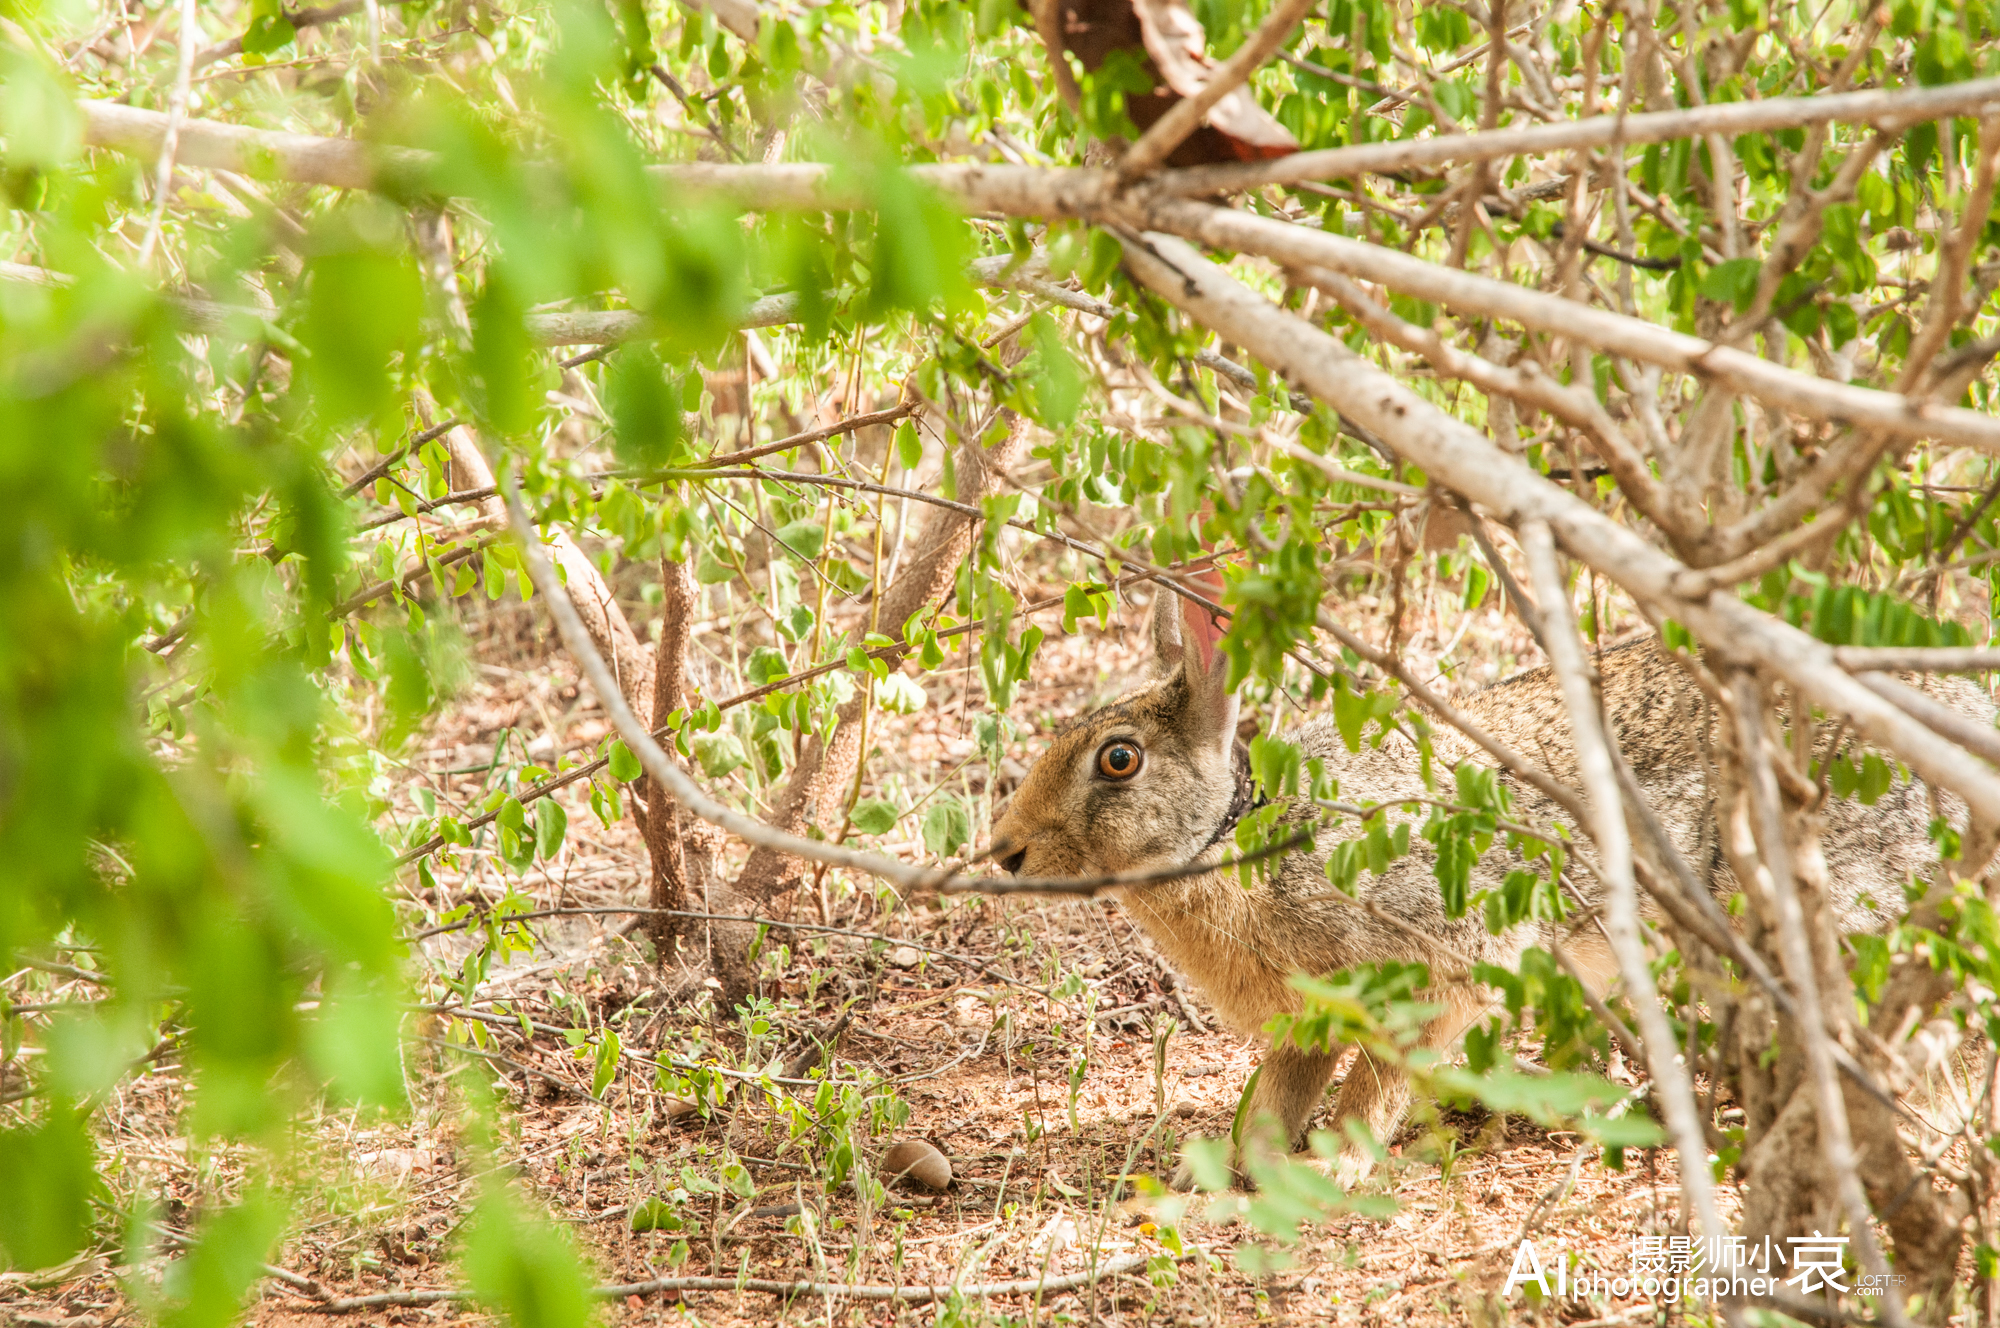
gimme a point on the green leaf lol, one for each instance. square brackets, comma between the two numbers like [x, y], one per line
[875, 816]
[355, 1039]
[1475, 587]
[1842, 777]
[1734, 280]
[269, 30]
[1208, 1159]
[1631, 1130]
[1101, 259]
[909, 446]
[921, 246]
[48, 1171]
[605, 1063]
[803, 538]
[38, 116]
[509, 388]
[797, 624]
[710, 570]
[363, 305]
[512, 815]
[1546, 1099]
[645, 409]
[719, 753]
[947, 826]
[656, 1215]
[899, 694]
[212, 1285]
[523, 1267]
[625, 767]
[1876, 778]
[765, 665]
[551, 824]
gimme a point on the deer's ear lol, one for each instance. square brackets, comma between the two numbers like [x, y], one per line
[1201, 631]
[1211, 719]
[1167, 647]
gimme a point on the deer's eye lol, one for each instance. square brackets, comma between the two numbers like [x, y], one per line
[1119, 759]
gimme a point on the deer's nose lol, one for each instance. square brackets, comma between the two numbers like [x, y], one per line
[1012, 862]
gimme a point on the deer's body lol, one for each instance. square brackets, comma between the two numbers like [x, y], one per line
[1081, 813]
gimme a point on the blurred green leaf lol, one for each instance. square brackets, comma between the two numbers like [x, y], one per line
[719, 753]
[38, 118]
[523, 1267]
[363, 307]
[875, 816]
[211, 1286]
[909, 447]
[268, 31]
[645, 409]
[48, 1173]
[355, 1040]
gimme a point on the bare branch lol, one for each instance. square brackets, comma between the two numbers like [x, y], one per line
[1795, 952]
[1610, 333]
[1091, 886]
[1917, 659]
[663, 827]
[1458, 457]
[340, 162]
[611, 327]
[656, 762]
[1566, 402]
[1967, 732]
[1884, 109]
[1606, 819]
[819, 435]
[1035, 191]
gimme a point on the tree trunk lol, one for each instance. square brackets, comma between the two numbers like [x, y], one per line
[665, 825]
[820, 781]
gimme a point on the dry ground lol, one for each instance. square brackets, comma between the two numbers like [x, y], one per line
[982, 1066]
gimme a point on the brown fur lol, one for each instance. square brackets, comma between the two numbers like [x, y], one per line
[1242, 945]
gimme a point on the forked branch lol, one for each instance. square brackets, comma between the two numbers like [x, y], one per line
[1460, 458]
[1795, 953]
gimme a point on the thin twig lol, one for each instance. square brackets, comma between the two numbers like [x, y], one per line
[163, 173]
[1090, 885]
[585, 771]
[382, 467]
[1897, 108]
[1917, 659]
[1038, 1286]
[834, 430]
[776, 924]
